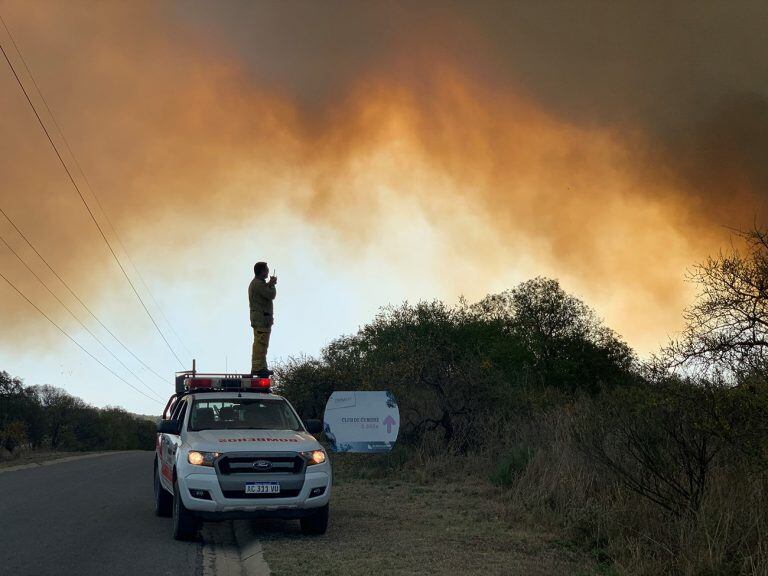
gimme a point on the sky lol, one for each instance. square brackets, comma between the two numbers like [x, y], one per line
[372, 153]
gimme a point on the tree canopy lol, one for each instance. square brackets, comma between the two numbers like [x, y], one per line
[452, 367]
[49, 417]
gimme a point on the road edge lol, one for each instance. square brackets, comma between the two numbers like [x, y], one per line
[251, 550]
[60, 460]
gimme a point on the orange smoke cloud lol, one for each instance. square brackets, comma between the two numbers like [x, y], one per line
[174, 131]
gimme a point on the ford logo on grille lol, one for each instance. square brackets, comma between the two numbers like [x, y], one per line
[262, 465]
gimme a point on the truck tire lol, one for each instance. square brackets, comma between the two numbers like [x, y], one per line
[185, 525]
[163, 500]
[317, 523]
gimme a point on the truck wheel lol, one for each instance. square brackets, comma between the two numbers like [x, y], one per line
[185, 525]
[317, 523]
[163, 500]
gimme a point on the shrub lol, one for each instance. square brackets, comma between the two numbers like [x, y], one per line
[511, 465]
[14, 435]
[659, 440]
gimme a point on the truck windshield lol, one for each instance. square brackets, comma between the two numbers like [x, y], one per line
[242, 414]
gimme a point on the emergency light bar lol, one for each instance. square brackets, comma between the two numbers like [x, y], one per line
[190, 381]
[227, 383]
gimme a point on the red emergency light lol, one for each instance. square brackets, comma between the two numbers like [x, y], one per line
[261, 383]
[200, 382]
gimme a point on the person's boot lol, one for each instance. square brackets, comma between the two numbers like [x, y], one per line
[263, 373]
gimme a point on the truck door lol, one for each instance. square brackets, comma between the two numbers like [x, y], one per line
[169, 444]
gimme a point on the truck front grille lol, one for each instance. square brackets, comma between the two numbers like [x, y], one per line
[249, 465]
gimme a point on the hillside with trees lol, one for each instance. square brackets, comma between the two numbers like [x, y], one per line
[655, 467]
[48, 418]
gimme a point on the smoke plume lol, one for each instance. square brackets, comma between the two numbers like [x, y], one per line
[608, 145]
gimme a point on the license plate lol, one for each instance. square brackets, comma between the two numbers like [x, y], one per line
[262, 487]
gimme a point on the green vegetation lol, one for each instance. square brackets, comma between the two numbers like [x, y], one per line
[651, 468]
[44, 418]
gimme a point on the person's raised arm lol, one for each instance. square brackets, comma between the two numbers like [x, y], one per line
[271, 290]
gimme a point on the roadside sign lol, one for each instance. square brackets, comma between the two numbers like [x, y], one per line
[361, 421]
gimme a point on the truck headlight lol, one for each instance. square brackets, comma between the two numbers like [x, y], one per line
[202, 458]
[314, 457]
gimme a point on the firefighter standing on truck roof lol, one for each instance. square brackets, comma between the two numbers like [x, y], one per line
[261, 293]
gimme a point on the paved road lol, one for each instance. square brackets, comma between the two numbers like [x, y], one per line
[88, 517]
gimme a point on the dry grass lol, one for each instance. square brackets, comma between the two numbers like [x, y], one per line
[560, 487]
[422, 510]
[397, 527]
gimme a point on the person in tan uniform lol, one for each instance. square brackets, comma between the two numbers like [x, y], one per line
[261, 294]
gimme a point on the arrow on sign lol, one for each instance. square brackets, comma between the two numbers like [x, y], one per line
[389, 422]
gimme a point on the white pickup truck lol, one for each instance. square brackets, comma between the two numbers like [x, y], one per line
[228, 448]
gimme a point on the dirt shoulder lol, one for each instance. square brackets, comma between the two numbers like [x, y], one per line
[42, 458]
[396, 527]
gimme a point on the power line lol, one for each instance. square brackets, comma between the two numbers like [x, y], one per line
[76, 297]
[88, 208]
[120, 242]
[51, 292]
[115, 374]
[117, 236]
[160, 308]
[88, 185]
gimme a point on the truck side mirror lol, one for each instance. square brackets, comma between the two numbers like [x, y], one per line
[313, 426]
[169, 427]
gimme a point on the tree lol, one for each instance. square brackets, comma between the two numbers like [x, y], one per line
[14, 435]
[19, 404]
[727, 326]
[60, 408]
[10, 386]
[564, 343]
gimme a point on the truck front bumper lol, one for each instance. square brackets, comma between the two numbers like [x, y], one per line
[221, 508]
